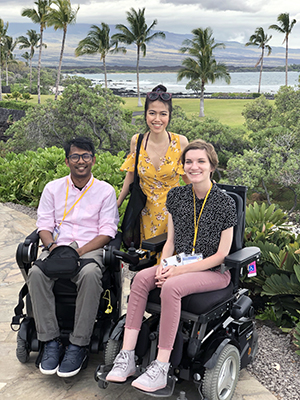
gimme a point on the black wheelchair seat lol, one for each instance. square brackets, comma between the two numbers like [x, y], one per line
[197, 303]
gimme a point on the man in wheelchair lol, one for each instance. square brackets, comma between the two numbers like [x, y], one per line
[82, 211]
[200, 230]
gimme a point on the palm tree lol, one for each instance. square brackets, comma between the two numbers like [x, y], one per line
[202, 66]
[260, 39]
[139, 34]
[32, 43]
[285, 27]
[60, 18]
[3, 30]
[8, 48]
[98, 42]
[26, 57]
[39, 16]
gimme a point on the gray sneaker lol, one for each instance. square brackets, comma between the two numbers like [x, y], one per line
[154, 378]
[124, 366]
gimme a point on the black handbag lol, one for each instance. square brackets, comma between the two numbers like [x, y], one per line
[131, 234]
[63, 262]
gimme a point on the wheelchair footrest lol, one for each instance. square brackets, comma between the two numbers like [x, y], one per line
[165, 392]
[103, 370]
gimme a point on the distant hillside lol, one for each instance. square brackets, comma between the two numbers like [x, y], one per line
[159, 52]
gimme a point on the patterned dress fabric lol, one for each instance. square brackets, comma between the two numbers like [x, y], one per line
[156, 183]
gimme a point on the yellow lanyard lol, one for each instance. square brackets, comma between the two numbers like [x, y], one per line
[196, 225]
[67, 195]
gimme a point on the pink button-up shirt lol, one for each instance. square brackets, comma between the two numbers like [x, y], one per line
[95, 214]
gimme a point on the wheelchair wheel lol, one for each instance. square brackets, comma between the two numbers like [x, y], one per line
[102, 384]
[219, 383]
[112, 349]
[22, 350]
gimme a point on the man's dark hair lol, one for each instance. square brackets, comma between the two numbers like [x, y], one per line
[82, 143]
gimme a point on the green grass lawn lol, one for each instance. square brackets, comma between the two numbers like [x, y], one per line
[229, 112]
[44, 98]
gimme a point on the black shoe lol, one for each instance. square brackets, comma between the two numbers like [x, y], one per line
[53, 351]
[73, 361]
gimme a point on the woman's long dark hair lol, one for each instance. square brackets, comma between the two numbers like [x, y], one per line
[159, 88]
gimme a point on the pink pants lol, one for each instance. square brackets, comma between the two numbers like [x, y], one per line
[171, 293]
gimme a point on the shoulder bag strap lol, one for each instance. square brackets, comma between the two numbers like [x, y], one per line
[137, 153]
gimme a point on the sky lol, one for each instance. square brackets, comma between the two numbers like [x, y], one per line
[229, 19]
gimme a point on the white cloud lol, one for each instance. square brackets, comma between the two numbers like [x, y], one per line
[225, 5]
[229, 19]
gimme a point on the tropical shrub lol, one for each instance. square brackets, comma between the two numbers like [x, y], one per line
[227, 141]
[81, 111]
[277, 284]
[23, 176]
[14, 105]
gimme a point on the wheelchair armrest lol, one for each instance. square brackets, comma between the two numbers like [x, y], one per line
[155, 244]
[242, 258]
[116, 242]
[27, 251]
[109, 256]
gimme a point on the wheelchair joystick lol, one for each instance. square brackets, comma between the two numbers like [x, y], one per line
[132, 249]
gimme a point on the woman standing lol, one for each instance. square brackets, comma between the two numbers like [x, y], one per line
[200, 224]
[159, 165]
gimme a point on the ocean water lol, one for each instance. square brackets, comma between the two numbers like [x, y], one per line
[241, 82]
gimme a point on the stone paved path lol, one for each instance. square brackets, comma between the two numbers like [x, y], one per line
[24, 381]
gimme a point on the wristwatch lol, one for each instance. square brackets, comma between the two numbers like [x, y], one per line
[49, 246]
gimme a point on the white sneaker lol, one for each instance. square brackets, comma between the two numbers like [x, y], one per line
[154, 378]
[124, 366]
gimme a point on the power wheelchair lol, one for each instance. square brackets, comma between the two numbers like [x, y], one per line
[216, 335]
[65, 297]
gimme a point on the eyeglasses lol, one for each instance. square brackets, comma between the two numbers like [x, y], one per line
[76, 157]
[155, 95]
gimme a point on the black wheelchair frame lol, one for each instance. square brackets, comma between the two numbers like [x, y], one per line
[216, 336]
[65, 297]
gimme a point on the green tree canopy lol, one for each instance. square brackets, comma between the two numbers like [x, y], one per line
[201, 66]
[260, 39]
[285, 26]
[99, 42]
[31, 42]
[3, 30]
[60, 16]
[39, 16]
[273, 162]
[8, 49]
[138, 33]
[94, 112]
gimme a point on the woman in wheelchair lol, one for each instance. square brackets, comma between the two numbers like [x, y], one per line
[200, 230]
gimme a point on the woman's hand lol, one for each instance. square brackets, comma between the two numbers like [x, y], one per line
[162, 274]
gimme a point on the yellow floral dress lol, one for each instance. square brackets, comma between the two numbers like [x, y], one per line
[156, 183]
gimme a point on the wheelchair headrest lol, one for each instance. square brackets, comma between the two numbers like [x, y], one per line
[238, 193]
[238, 233]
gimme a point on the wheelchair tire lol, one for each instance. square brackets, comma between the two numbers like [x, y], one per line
[219, 383]
[22, 350]
[102, 384]
[112, 349]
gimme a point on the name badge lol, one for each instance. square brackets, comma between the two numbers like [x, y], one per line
[181, 259]
[190, 258]
[56, 233]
